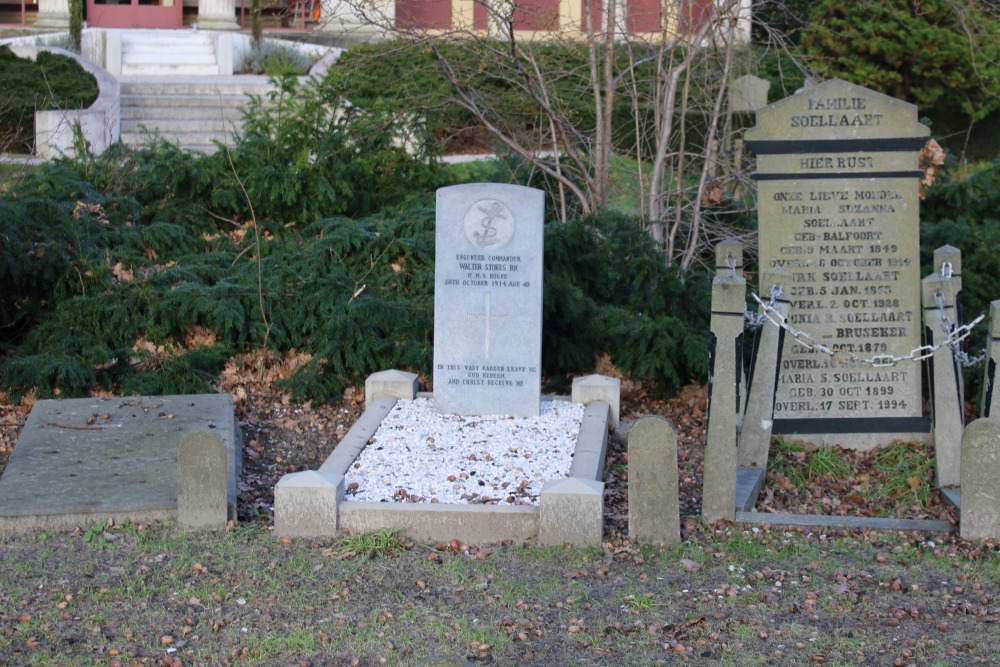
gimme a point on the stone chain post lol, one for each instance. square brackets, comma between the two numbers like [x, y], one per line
[755, 434]
[990, 404]
[724, 389]
[940, 294]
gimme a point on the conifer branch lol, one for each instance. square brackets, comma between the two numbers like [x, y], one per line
[260, 261]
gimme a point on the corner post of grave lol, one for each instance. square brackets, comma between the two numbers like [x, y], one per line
[202, 475]
[939, 296]
[306, 504]
[590, 388]
[765, 366]
[724, 387]
[653, 503]
[990, 404]
[393, 383]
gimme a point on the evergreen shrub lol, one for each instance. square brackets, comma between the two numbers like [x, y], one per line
[952, 72]
[144, 270]
[105, 290]
[305, 153]
[51, 81]
[966, 214]
[409, 75]
[609, 291]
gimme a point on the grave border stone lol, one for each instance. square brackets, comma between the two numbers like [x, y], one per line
[571, 509]
[980, 509]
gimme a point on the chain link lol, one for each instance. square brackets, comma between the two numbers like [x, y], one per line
[756, 321]
[963, 357]
[955, 336]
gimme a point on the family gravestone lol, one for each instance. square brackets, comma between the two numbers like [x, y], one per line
[838, 206]
[488, 300]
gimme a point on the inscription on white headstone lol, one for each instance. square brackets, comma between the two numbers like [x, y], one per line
[488, 299]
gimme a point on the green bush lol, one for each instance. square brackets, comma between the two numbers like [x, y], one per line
[274, 59]
[315, 233]
[305, 154]
[52, 81]
[966, 214]
[608, 290]
[952, 72]
[90, 282]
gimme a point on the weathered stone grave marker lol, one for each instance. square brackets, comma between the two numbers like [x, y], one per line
[748, 93]
[838, 208]
[488, 300]
[201, 481]
[90, 459]
[653, 509]
[980, 510]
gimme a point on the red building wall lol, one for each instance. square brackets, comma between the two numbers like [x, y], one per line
[423, 14]
[529, 15]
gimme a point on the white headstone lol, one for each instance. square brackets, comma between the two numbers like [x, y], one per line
[488, 300]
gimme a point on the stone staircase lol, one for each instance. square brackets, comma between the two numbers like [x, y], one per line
[168, 53]
[194, 112]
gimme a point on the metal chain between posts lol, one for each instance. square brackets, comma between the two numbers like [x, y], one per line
[754, 321]
[955, 336]
[757, 321]
[963, 357]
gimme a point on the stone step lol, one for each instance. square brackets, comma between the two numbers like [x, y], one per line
[193, 113]
[165, 37]
[193, 140]
[152, 101]
[161, 113]
[185, 57]
[162, 53]
[169, 69]
[209, 85]
[167, 46]
[181, 125]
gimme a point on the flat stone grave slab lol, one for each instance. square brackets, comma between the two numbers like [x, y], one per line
[90, 459]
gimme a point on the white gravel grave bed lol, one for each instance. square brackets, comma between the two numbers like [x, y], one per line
[420, 455]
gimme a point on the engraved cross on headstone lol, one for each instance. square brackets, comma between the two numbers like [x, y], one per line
[488, 316]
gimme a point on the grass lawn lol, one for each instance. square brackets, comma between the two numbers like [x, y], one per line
[151, 595]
